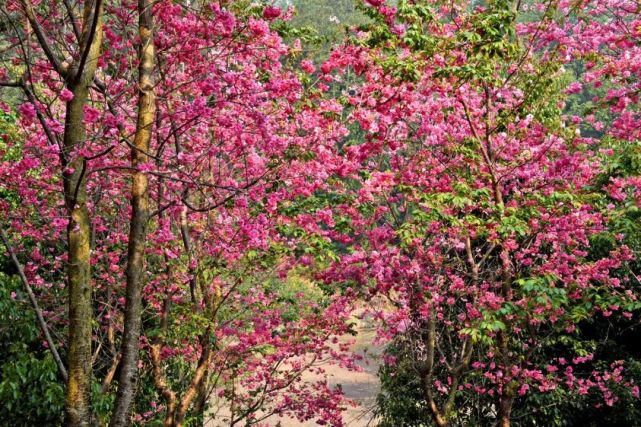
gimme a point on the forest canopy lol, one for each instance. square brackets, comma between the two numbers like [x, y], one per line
[209, 208]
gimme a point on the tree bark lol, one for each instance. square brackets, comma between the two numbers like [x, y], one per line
[201, 401]
[177, 407]
[505, 410]
[78, 81]
[196, 382]
[139, 219]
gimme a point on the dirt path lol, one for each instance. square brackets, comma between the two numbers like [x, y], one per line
[361, 387]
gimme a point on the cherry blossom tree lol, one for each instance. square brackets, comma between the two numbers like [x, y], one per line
[75, 78]
[180, 179]
[473, 220]
[182, 188]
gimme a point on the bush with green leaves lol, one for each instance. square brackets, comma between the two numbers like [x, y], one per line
[31, 391]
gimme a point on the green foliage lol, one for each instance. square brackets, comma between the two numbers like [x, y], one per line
[490, 38]
[321, 24]
[400, 402]
[30, 390]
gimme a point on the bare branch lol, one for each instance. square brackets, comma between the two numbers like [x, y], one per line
[34, 303]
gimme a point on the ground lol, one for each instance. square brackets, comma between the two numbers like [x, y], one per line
[361, 387]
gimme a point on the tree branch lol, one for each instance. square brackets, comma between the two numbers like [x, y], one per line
[87, 41]
[42, 39]
[34, 303]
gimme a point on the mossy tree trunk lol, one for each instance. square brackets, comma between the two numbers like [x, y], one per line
[139, 219]
[78, 81]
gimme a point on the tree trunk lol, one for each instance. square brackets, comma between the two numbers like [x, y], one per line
[80, 312]
[439, 417]
[139, 219]
[78, 398]
[201, 402]
[505, 410]
[195, 386]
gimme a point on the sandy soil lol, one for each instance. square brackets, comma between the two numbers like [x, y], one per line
[361, 387]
